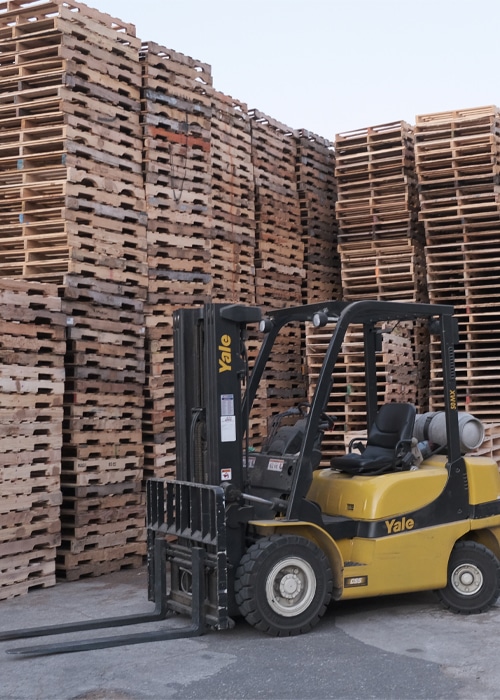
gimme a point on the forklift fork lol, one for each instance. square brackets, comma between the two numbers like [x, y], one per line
[160, 612]
[184, 521]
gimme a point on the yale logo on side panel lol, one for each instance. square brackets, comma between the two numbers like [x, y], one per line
[401, 525]
[225, 358]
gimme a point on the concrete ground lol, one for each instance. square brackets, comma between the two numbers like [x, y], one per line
[398, 648]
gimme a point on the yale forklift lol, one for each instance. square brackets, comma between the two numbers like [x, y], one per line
[272, 534]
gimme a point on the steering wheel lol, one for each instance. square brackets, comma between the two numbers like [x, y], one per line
[304, 407]
[330, 420]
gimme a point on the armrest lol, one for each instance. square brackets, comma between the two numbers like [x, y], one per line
[356, 444]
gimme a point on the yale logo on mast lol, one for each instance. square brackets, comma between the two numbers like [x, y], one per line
[400, 525]
[225, 358]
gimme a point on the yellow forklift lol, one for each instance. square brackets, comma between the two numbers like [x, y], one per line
[273, 535]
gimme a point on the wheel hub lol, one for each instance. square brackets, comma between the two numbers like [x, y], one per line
[467, 579]
[290, 585]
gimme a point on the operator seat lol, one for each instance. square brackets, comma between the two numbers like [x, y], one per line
[389, 443]
[287, 439]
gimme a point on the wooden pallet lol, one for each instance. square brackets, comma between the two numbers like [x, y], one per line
[98, 562]
[20, 573]
[383, 270]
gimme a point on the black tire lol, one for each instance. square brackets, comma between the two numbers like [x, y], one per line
[283, 585]
[473, 579]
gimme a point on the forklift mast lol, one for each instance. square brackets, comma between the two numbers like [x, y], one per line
[210, 371]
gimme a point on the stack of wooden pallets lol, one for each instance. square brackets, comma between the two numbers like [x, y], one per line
[232, 210]
[317, 188]
[74, 213]
[280, 249]
[380, 239]
[279, 256]
[381, 247]
[31, 411]
[176, 118]
[103, 299]
[315, 172]
[458, 166]
[176, 114]
[32, 233]
[102, 457]
[317, 340]
[69, 122]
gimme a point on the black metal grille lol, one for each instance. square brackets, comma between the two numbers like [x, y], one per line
[187, 510]
[194, 511]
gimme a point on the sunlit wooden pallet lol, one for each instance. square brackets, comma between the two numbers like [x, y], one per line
[176, 73]
[20, 573]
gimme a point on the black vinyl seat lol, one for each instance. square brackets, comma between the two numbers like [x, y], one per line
[287, 439]
[389, 444]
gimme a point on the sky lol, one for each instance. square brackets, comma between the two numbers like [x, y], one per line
[333, 66]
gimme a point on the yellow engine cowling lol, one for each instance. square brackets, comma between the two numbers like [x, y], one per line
[377, 497]
[483, 479]
[388, 495]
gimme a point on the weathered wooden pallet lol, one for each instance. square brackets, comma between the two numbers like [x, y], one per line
[97, 562]
[39, 513]
[101, 293]
[16, 534]
[20, 573]
[176, 67]
[103, 509]
[113, 535]
[105, 332]
[33, 543]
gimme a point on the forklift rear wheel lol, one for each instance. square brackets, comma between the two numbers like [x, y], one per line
[473, 579]
[283, 585]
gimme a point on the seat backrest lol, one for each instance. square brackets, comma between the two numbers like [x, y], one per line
[288, 439]
[394, 422]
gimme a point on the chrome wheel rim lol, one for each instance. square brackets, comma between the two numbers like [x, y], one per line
[290, 587]
[467, 579]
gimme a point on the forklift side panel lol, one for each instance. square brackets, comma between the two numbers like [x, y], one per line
[399, 563]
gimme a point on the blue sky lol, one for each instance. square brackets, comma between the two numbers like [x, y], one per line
[331, 66]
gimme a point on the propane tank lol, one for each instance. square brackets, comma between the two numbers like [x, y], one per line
[431, 427]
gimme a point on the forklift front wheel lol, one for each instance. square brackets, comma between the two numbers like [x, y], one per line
[473, 579]
[283, 585]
